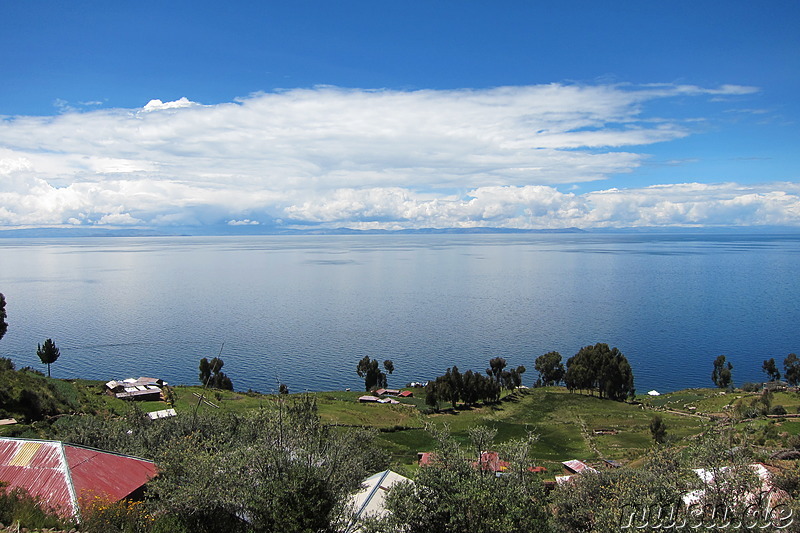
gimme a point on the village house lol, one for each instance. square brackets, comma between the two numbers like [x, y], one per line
[63, 475]
[574, 467]
[136, 389]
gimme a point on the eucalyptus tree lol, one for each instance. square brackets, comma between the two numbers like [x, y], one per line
[3, 316]
[791, 369]
[550, 368]
[771, 369]
[721, 375]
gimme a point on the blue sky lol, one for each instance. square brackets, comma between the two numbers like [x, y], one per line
[402, 115]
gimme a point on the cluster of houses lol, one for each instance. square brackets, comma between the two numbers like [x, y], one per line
[64, 475]
[143, 389]
[385, 396]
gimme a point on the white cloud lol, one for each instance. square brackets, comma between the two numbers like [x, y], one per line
[685, 204]
[156, 105]
[366, 158]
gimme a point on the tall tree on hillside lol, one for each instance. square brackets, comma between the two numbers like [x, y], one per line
[721, 375]
[3, 316]
[598, 367]
[658, 429]
[48, 353]
[550, 368]
[771, 369]
[496, 367]
[791, 369]
[212, 376]
[374, 377]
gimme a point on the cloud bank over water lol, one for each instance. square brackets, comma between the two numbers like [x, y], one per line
[336, 157]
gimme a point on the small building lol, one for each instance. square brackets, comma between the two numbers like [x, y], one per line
[406, 394]
[387, 400]
[143, 388]
[775, 386]
[766, 489]
[491, 462]
[64, 474]
[163, 413]
[368, 502]
[576, 467]
[368, 398]
[605, 431]
[424, 458]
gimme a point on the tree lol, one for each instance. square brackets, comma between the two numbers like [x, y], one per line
[791, 369]
[771, 369]
[496, 366]
[211, 374]
[48, 353]
[3, 316]
[600, 368]
[721, 375]
[280, 468]
[453, 494]
[658, 429]
[550, 368]
[374, 378]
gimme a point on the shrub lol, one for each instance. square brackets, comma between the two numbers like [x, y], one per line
[751, 387]
[100, 515]
[778, 410]
[18, 506]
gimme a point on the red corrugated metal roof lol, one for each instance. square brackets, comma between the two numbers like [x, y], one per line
[577, 467]
[491, 461]
[61, 474]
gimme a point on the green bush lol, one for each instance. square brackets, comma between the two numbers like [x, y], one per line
[19, 507]
[778, 410]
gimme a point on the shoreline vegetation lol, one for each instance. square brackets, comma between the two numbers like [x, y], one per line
[639, 441]
[568, 424]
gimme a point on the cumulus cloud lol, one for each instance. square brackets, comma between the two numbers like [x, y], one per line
[533, 207]
[366, 158]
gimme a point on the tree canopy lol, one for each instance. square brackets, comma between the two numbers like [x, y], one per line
[771, 369]
[550, 369]
[370, 370]
[3, 316]
[453, 494]
[211, 374]
[469, 387]
[658, 429]
[598, 367]
[48, 353]
[791, 369]
[721, 375]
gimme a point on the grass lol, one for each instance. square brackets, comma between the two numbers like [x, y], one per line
[566, 423]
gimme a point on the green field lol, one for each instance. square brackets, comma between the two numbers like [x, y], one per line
[568, 426]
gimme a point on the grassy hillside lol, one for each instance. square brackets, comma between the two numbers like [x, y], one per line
[569, 425]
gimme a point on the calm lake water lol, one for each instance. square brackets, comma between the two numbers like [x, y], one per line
[304, 310]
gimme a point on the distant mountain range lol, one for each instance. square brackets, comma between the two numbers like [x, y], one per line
[261, 230]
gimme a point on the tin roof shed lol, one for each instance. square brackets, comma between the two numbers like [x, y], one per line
[61, 474]
[369, 500]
